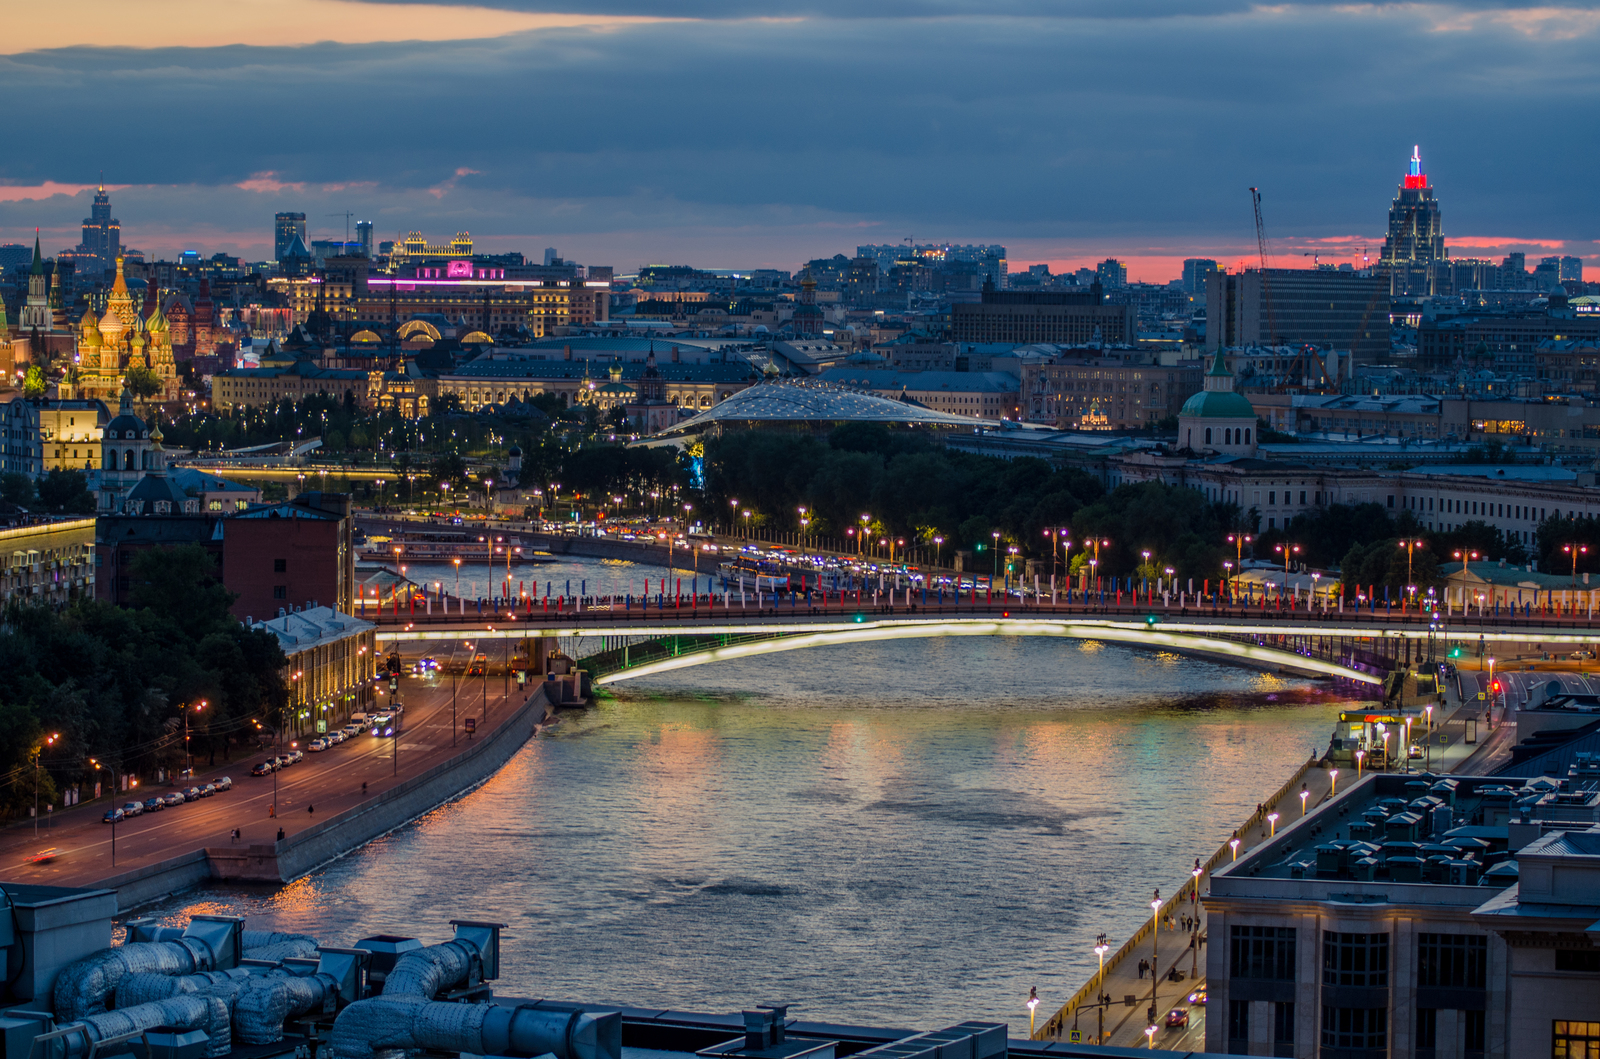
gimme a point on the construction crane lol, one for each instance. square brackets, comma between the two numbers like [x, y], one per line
[346, 215]
[1296, 368]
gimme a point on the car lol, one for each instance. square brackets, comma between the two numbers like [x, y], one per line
[208, 790]
[1415, 751]
[479, 666]
[155, 804]
[225, 783]
[112, 816]
[171, 799]
[191, 794]
[1198, 997]
[133, 809]
[316, 746]
[45, 856]
[1579, 656]
[1177, 1018]
[425, 666]
[350, 729]
[263, 768]
[296, 756]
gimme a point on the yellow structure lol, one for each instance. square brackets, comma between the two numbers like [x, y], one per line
[120, 339]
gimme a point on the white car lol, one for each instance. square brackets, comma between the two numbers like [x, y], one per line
[317, 745]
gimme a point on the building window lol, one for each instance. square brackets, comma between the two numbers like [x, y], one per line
[1477, 1031]
[1427, 1028]
[1455, 960]
[1355, 959]
[1262, 952]
[280, 591]
[1355, 1027]
[1239, 1024]
[280, 566]
[1283, 1022]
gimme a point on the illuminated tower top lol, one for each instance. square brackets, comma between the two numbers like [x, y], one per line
[1415, 177]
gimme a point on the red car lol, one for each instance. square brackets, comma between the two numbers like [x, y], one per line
[1177, 1018]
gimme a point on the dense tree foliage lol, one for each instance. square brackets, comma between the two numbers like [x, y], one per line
[113, 681]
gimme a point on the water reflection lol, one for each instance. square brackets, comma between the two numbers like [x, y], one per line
[901, 833]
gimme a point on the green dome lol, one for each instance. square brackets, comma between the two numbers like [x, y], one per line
[1218, 404]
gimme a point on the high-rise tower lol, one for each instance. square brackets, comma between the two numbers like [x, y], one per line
[285, 226]
[1415, 244]
[102, 233]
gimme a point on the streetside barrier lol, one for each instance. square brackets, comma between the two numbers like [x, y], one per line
[1056, 1023]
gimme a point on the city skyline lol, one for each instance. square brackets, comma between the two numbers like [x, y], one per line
[739, 143]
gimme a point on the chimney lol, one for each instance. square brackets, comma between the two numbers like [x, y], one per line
[568, 351]
[674, 354]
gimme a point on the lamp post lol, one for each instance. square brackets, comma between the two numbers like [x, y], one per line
[1155, 955]
[1233, 844]
[996, 554]
[747, 514]
[113, 811]
[734, 504]
[938, 551]
[1333, 782]
[1272, 825]
[1575, 550]
[1288, 551]
[1239, 540]
[189, 754]
[1411, 545]
[37, 752]
[1101, 947]
[1360, 755]
[1033, 1004]
[1304, 795]
[1194, 940]
[861, 538]
[1146, 556]
[457, 562]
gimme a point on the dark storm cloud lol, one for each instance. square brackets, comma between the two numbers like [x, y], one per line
[1093, 128]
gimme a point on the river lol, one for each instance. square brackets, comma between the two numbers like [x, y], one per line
[907, 833]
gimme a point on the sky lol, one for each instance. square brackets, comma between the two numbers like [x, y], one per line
[631, 132]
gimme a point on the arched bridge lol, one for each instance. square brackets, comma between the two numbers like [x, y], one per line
[626, 650]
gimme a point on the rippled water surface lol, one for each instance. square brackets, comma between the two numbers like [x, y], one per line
[903, 833]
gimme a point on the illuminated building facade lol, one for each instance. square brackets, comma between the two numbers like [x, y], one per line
[414, 248]
[102, 233]
[121, 339]
[286, 227]
[1413, 252]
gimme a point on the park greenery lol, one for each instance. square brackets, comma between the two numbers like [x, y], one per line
[56, 492]
[113, 683]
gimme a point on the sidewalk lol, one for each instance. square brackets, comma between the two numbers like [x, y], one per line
[1128, 992]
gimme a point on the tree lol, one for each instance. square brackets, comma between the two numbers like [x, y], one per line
[34, 385]
[66, 492]
[142, 382]
[182, 582]
[16, 488]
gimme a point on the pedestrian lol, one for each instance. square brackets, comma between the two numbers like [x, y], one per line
[272, 810]
[311, 810]
[280, 834]
[363, 788]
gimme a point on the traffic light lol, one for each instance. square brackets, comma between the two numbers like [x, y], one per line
[1151, 619]
[394, 664]
[1495, 687]
[1456, 652]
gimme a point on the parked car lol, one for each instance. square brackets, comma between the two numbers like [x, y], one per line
[263, 768]
[295, 756]
[191, 794]
[155, 804]
[175, 798]
[316, 746]
[225, 783]
[133, 809]
[112, 816]
[350, 729]
[1177, 1018]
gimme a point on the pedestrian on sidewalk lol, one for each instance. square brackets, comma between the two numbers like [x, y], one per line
[311, 810]
[233, 836]
[363, 788]
[280, 834]
[272, 810]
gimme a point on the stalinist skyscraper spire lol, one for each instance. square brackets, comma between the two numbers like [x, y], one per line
[102, 233]
[1414, 253]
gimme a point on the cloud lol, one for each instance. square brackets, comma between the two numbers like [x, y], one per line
[443, 188]
[204, 24]
[49, 189]
[739, 142]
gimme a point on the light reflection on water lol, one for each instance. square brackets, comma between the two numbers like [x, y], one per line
[905, 833]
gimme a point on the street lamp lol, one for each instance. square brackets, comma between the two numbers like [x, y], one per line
[938, 550]
[1333, 782]
[1033, 1003]
[1288, 551]
[1155, 954]
[1360, 754]
[1272, 824]
[1304, 794]
[113, 810]
[1239, 540]
[1233, 844]
[996, 554]
[37, 752]
[1411, 545]
[186, 751]
[1575, 550]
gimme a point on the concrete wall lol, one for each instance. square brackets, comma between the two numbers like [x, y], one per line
[331, 839]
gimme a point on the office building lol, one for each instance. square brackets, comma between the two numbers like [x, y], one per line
[1197, 273]
[1112, 273]
[364, 237]
[1114, 389]
[1413, 915]
[286, 228]
[1415, 243]
[1572, 269]
[1507, 340]
[1344, 311]
[102, 233]
[1070, 318]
